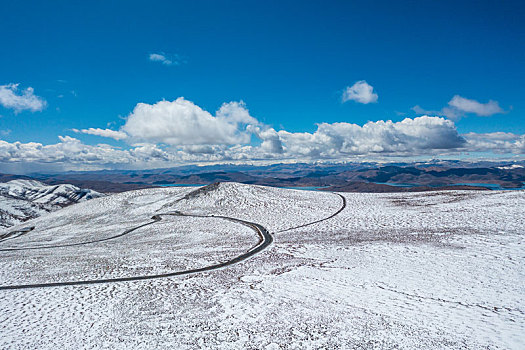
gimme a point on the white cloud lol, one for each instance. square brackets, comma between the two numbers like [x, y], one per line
[338, 141]
[360, 92]
[161, 57]
[117, 135]
[271, 142]
[496, 142]
[181, 122]
[419, 110]
[192, 134]
[170, 133]
[472, 106]
[149, 151]
[458, 106]
[71, 153]
[235, 112]
[423, 135]
[69, 150]
[450, 113]
[19, 100]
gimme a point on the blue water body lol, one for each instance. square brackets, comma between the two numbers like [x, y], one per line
[489, 185]
[492, 186]
[396, 184]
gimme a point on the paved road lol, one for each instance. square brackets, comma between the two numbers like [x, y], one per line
[76, 244]
[265, 239]
[343, 206]
[15, 234]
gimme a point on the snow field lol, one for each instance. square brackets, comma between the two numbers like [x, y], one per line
[440, 270]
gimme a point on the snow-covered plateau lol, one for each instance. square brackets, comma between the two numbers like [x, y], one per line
[432, 270]
[21, 200]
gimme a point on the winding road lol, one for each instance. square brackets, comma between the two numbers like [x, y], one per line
[15, 234]
[265, 239]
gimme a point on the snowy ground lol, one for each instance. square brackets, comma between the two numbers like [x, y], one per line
[418, 270]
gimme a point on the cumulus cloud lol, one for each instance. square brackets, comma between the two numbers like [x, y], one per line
[422, 135]
[181, 122]
[459, 106]
[337, 141]
[193, 133]
[161, 57]
[170, 133]
[271, 142]
[19, 100]
[360, 92]
[148, 152]
[117, 135]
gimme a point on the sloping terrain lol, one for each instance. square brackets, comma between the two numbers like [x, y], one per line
[21, 200]
[440, 270]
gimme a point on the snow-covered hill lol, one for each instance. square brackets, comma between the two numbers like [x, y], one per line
[440, 270]
[21, 200]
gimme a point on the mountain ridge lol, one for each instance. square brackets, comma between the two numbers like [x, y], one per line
[24, 199]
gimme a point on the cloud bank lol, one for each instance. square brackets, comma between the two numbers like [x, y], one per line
[170, 133]
[423, 135]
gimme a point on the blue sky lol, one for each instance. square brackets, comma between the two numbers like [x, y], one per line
[290, 62]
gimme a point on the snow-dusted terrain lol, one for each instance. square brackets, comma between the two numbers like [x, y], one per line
[439, 270]
[21, 200]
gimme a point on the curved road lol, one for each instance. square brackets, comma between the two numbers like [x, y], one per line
[343, 205]
[16, 234]
[79, 243]
[265, 239]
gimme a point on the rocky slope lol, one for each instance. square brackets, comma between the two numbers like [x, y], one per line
[21, 200]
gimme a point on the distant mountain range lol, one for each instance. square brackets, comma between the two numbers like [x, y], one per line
[352, 177]
[22, 199]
